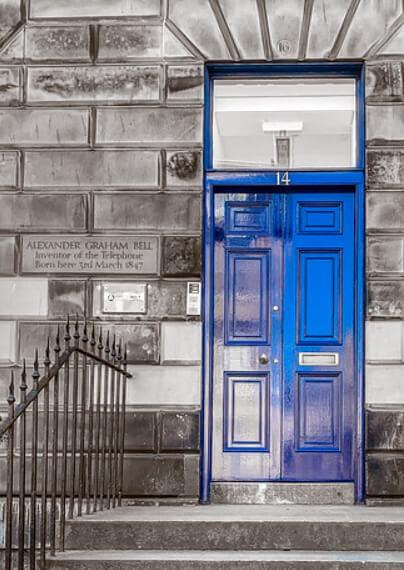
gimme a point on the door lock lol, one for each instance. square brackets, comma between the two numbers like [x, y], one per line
[263, 358]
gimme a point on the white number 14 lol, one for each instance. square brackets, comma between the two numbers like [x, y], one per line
[282, 179]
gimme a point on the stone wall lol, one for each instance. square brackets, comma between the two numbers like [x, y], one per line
[101, 135]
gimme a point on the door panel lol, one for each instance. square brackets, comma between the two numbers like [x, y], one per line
[318, 377]
[283, 362]
[246, 392]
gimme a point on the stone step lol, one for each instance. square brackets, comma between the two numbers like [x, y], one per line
[222, 560]
[240, 527]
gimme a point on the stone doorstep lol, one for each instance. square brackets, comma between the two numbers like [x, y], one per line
[176, 560]
[242, 527]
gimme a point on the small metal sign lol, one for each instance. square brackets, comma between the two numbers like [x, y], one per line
[193, 298]
[124, 298]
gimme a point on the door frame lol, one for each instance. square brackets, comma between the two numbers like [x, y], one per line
[218, 181]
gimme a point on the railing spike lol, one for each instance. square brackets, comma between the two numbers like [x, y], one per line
[35, 374]
[23, 385]
[47, 360]
[113, 351]
[57, 340]
[107, 349]
[92, 340]
[120, 350]
[67, 336]
[76, 334]
[11, 396]
[85, 333]
[100, 345]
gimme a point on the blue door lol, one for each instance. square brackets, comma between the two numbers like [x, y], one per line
[283, 361]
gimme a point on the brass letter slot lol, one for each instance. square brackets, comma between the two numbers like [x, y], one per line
[318, 358]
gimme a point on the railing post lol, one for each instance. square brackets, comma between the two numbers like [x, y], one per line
[98, 428]
[122, 434]
[34, 462]
[117, 427]
[45, 456]
[111, 422]
[90, 421]
[10, 478]
[104, 434]
[21, 505]
[83, 406]
[65, 439]
[72, 474]
[55, 447]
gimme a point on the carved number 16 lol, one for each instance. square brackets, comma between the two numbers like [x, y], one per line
[282, 179]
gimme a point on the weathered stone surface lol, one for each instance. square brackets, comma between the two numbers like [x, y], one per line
[384, 124]
[8, 252]
[385, 255]
[10, 14]
[184, 82]
[13, 51]
[8, 169]
[154, 475]
[197, 21]
[384, 341]
[124, 211]
[141, 431]
[384, 384]
[326, 21]
[50, 212]
[385, 429]
[164, 125]
[370, 22]
[173, 47]
[386, 299]
[43, 127]
[184, 169]
[285, 19]
[181, 342]
[98, 9]
[57, 43]
[179, 431]
[66, 297]
[23, 296]
[385, 168]
[123, 83]
[385, 210]
[75, 168]
[245, 27]
[385, 474]
[395, 46]
[182, 255]
[7, 342]
[166, 299]
[384, 81]
[164, 386]
[127, 42]
[143, 340]
[10, 86]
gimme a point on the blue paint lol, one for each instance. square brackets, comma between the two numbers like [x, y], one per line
[217, 182]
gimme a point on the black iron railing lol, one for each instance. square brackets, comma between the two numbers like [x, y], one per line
[65, 442]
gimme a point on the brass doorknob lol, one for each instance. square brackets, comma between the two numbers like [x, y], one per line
[263, 359]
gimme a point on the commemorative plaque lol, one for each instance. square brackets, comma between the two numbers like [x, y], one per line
[90, 254]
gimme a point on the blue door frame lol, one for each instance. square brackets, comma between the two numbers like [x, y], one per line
[216, 181]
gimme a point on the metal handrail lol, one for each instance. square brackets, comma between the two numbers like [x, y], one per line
[88, 411]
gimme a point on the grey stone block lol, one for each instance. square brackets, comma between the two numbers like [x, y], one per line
[166, 299]
[122, 83]
[100, 9]
[13, 52]
[10, 14]
[183, 169]
[244, 25]
[140, 431]
[8, 169]
[75, 168]
[50, 212]
[164, 125]
[384, 81]
[32, 336]
[127, 211]
[44, 127]
[385, 211]
[8, 252]
[285, 22]
[182, 255]
[179, 431]
[129, 42]
[369, 22]
[185, 82]
[326, 20]
[153, 475]
[384, 124]
[385, 474]
[142, 339]
[385, 429]
[385, 255]
[385, 168]
[386, 299]
[59, 43]
[197, 21]
[10, 86]
[66, 297]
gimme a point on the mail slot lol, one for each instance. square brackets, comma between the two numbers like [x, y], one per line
[318, 358]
